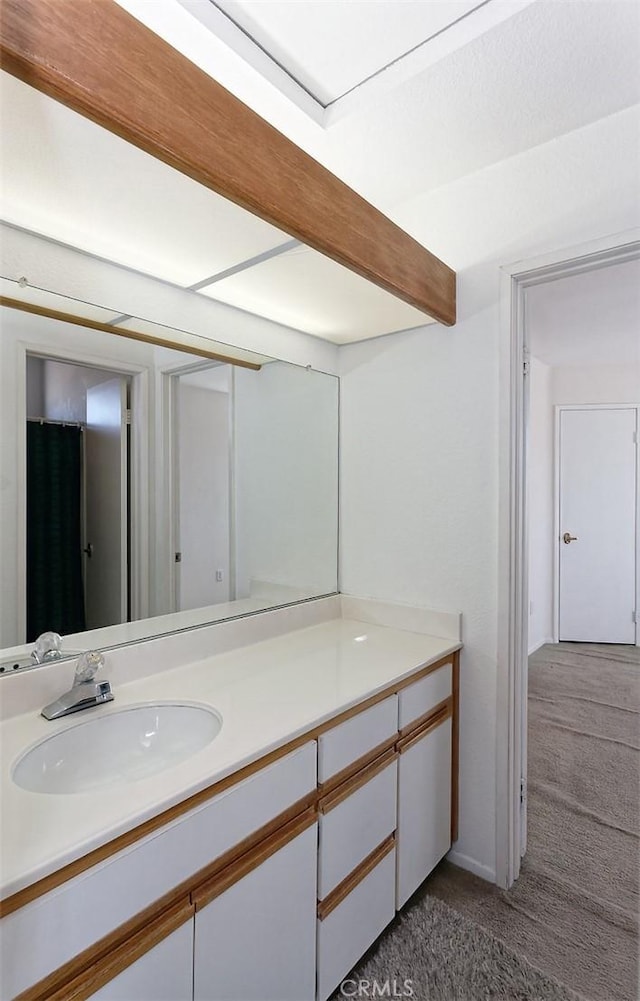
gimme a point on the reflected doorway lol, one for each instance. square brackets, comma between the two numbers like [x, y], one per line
[78, 497]
[202, 487]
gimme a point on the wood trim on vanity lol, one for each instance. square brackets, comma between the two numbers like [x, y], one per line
[351, 785]
[424, 671]
[206, 892]
[434, 721]
[50, 882]
[421, 720]
[356, 766]
[455, 745]
[343, 889]
[78, 979]
[155, 912]
[132, 335]
[103, 63]
[73, 869]
[252, 841]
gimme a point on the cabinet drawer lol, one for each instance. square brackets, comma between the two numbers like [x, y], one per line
[344, 744]
[420, 698]
[354, 820]
[49, 931]
[348, 930]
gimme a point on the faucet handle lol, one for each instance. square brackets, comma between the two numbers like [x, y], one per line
[47, 647]
[88, 664]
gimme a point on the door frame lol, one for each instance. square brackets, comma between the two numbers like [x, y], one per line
[556, 505]
[512, 645]
[139, 466]
[167, 478]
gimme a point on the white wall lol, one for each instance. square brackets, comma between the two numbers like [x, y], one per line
[540, 450]
[203, 464]
[419, 423]
[65, 390]
[58, 391]
[601, 384]
[420, 410]
[35, 387]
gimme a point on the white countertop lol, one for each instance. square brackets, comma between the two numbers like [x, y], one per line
[267, 694]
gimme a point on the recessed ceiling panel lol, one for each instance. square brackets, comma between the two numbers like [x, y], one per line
[307, 291]
[329, 46]
[66, 178]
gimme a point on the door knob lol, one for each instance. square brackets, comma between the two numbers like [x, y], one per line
[89, 550]
[567, 538]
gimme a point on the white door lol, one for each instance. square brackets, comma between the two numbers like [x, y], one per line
[202, 490]
[106, 514]
[597, 509]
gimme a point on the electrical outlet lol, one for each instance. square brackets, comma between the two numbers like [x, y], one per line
[219, 575]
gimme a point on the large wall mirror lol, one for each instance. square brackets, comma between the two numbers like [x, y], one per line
[146, 490]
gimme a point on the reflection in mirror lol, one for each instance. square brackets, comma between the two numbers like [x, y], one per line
[146, 490]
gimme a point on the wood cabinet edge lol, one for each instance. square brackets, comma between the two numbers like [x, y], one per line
[350, 882]
[226, 878]
[87, 973]
[338, 794]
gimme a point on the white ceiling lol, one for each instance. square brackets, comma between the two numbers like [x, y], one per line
[330, 47]
[446, 147]
[587, 319]
[537, 71]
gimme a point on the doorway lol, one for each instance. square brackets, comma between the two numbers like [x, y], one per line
[517, 527]
[77, 497]
[201, 485]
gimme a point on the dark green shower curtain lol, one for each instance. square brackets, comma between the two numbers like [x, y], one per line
[55, 597]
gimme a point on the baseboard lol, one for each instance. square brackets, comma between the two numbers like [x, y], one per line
[536, 646]
[471, 865]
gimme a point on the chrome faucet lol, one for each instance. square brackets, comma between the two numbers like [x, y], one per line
[86, 691]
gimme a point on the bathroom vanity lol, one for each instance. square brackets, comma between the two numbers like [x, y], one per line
[266, 863]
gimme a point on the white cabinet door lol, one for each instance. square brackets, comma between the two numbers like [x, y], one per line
[424, 807]
[255, 941]
[165, 973]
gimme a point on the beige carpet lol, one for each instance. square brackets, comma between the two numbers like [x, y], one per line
[432, 953]
[574, 911]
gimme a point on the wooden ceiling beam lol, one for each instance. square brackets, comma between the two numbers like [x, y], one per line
[100, 61]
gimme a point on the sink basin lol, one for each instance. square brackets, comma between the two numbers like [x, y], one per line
[117, 747]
